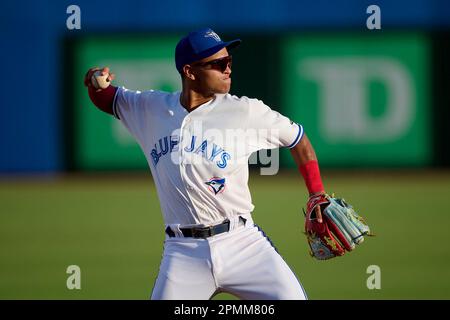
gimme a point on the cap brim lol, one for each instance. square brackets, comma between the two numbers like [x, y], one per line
[229, 45]
[233, 43]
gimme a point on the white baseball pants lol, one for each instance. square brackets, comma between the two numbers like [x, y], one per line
[241, 262]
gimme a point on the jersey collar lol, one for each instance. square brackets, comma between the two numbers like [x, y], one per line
[202, 109]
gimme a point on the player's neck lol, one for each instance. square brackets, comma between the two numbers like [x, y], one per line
[191, 99]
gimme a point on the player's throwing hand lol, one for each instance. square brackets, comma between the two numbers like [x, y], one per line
[88, 82]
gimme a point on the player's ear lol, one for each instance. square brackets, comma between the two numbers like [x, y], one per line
[188, 72]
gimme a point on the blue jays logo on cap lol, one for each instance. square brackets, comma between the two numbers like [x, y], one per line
[216, 185]
[212, 34]
[198, 45]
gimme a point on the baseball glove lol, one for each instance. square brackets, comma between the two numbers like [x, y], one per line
[341, 230]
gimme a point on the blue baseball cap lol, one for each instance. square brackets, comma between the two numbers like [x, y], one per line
[198, 45]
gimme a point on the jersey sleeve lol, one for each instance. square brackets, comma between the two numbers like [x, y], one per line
[272, 129]
[132, 108]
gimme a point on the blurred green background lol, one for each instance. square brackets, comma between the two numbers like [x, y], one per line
[364, 100]
[111, 227]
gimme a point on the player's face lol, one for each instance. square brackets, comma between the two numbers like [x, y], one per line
[213, 74]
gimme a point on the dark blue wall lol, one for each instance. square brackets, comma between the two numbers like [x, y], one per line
[32, 34]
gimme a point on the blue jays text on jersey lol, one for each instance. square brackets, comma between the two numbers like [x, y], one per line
[207, 149]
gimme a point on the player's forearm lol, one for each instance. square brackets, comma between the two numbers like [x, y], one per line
[103, 99]
[303, 152]
[306, 160]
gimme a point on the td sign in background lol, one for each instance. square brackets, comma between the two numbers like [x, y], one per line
[363, 99]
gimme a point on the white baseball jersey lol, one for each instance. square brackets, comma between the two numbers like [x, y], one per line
[199, 160]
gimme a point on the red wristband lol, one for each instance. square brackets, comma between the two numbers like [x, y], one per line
[311, 173]
[103, 99]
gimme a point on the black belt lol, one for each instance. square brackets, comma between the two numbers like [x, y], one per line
[205, 232]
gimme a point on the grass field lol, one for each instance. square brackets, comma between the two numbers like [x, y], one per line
[111, 227]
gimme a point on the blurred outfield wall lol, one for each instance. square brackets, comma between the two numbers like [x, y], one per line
[364, 99]
[412, 75]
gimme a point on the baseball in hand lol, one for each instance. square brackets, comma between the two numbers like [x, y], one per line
[100, 81]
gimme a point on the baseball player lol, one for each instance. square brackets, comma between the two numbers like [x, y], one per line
[197, 143]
